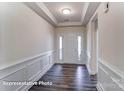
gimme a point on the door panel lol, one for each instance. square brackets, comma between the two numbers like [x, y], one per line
[70, 47]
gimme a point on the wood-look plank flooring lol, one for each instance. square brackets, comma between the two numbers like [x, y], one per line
[67, 77]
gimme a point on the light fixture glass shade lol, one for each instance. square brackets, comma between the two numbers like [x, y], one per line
[66, 11]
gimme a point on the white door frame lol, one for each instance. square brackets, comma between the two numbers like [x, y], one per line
[65, 58]
[94, 45]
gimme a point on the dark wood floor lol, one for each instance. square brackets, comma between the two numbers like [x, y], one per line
[67, 77]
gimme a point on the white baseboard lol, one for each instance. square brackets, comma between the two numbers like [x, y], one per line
[36, 77]
[90, 70]
[99, 87]
[79, 63]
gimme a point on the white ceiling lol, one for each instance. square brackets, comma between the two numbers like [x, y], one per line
[56, 9]
[81, 12]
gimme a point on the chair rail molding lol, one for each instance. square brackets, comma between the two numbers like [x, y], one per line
[30, 69]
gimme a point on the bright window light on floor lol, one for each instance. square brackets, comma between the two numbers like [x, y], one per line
[60, 47]
[79, 47]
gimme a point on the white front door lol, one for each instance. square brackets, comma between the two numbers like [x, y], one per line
[70, 48]
[71, 43]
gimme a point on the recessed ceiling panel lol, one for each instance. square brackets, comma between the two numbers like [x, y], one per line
[56, 9]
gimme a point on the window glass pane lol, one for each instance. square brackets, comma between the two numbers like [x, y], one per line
[60, 47]
[79, 47]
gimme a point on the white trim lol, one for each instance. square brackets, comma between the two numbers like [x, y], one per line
[36, 77]
[88, 54]
[120, 85]
[99, 87]
[23, 87]
[10, 72]
[103, 70]
[95, 13]
[88, 60]
[69, 24]
[19, 65]
[88, 67]
[115, 70]
[41, 10]
[86, 5]
[112, 68]
[27, 59]
[89, 64]
[46, 11]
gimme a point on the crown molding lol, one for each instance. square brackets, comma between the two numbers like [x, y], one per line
[46, 11]
[43, 11]
[84, 11]
[88, 11]
[69, 24]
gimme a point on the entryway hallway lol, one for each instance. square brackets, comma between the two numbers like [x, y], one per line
[76, 46]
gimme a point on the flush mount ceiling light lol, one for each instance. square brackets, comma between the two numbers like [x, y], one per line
[66, 11]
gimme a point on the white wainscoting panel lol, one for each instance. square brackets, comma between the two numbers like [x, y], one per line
[30, 69]
[109, 77]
